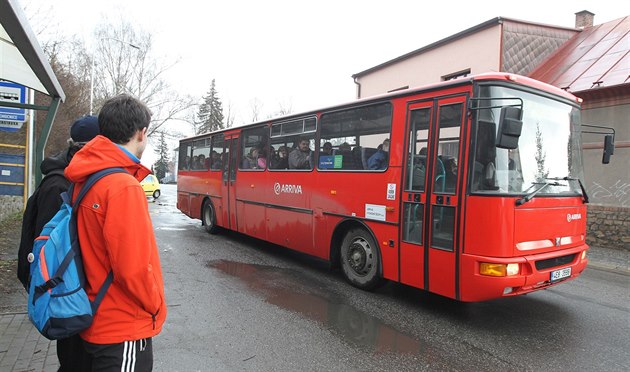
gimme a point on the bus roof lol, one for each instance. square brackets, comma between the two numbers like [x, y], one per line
[496, 76]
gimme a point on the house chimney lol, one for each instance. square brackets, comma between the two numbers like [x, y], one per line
[584, 19]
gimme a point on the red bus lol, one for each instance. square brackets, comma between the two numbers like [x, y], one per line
[468, 188]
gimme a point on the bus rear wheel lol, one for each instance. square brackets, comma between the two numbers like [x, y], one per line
[360, 259]
[208, 218]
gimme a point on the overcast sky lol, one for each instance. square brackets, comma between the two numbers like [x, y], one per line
[299, 53]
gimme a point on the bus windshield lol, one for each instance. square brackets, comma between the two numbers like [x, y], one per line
[548, 158]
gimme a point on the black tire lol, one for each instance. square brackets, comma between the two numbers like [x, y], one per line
[156, 194]
[208, 218]
[360, 259]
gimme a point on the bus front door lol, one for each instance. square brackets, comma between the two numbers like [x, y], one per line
[429, 245]
[228, 193]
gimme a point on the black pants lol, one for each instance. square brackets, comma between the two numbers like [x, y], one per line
[126, 356]
[72, 356]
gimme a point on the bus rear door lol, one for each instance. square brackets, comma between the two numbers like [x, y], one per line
[429, 246]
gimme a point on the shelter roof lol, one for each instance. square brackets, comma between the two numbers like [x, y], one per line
[22, 60]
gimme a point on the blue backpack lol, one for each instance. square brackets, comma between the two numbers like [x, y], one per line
[58, 304]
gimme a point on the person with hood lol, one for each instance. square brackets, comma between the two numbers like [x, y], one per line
[41, 207]
[116, 234]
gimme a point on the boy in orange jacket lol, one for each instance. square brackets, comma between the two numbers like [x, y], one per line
[115, 233]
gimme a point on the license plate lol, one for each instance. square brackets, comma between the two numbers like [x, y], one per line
[560, 274]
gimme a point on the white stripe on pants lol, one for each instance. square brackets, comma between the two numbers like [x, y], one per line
[129, 357]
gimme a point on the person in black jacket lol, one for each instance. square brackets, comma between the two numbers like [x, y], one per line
[41, 207]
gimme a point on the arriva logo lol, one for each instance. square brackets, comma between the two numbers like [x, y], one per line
[573, 217]
[287, 189]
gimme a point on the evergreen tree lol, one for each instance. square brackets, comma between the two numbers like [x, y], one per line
[161, 165]
[210, 114]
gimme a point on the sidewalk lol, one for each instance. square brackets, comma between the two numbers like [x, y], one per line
[607, 259]
[22, 348]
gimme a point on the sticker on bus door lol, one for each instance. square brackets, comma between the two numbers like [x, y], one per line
[375, 212]
[391, 191]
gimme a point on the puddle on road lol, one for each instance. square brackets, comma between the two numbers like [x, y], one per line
[288, 290]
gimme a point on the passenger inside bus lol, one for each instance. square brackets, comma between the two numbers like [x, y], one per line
[450, 168]
[418, 170]
[253, 159]
[347, 160]
[280, 159]
[366, 153]
[300, 157]
[380, 159]
[215, 160]
[326, 149]
[199, 162]
[261, 160]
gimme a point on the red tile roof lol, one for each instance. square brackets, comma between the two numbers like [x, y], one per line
[597, 57]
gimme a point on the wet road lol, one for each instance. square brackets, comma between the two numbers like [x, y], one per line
[236, 303]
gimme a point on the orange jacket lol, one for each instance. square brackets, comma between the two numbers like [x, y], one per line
[116, 233]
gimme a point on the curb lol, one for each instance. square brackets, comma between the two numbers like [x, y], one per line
[601, 266]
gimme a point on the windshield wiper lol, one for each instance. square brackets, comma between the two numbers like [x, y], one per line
[529, 196]
[584, 194]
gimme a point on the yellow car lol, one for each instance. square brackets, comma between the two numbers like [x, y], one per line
[151, 186]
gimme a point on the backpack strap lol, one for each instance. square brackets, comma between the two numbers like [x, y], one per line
[101, 292]
[75, 252]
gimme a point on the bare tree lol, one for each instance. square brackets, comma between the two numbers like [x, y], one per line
[284, 108]
[124, 63]
[229, 115]
[256, 107]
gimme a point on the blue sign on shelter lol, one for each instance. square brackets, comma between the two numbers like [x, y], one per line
[11, 118]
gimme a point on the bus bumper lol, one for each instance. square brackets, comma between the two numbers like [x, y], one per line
[538, 271]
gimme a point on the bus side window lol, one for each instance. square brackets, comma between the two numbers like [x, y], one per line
[292, 144]
[355, 135]
[183, 162]
[255, 148]
[418, 137]
[216, 153]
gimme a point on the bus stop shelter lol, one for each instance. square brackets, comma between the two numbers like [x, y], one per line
[22, 61]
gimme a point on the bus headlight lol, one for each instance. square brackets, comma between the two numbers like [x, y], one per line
[496, 269]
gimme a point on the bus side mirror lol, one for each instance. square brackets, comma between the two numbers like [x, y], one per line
[609, 148]
[510, 126]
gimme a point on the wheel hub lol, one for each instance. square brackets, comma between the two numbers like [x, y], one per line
[360, 257]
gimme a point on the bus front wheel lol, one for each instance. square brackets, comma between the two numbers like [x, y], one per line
[360, 259]
[208, 218]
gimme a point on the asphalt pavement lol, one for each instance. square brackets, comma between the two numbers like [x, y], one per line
[22, 348]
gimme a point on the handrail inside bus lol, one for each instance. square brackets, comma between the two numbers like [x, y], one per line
[475, 99]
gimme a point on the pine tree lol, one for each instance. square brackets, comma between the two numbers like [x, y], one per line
[161, 165]
[210, 114]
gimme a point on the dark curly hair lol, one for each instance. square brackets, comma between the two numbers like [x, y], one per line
[122, 116]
